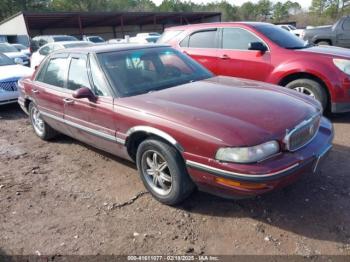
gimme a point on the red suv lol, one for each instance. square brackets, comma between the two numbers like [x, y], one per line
[265, 52]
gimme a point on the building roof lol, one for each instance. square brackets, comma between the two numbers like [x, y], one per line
[42, 20]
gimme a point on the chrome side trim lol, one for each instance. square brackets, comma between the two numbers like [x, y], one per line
[85, 129]
[215, 170]
[157, 132]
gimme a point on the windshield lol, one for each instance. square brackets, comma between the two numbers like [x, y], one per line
[4, 60]
[168, 35]
[281, 37]
[152, 39]
[141, 71]
[5, 48]
[19, 47]
[96, 39]
[64, 38]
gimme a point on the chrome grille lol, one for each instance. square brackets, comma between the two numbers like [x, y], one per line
[9, 86]
[302, 134]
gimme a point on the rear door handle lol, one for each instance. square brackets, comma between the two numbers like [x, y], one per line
[224, 57]
[68, 101]
[35, 91]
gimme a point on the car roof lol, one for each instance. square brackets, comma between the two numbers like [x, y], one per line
[65, 43]
[105, 48]
[215, 24]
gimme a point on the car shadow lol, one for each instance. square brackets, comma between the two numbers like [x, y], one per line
[63, 139]
[11, 112]
[317, 206]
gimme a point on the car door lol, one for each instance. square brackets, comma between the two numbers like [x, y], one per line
[202, 46]
[343, 34]
[237, 60]
[90, 120]
[48, 90]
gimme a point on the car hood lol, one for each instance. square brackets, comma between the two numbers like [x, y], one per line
[14, 71]
[230, 110]
[322, 29]
[328, 50]
[15, 54]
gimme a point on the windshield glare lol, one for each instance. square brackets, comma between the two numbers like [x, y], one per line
[5, 48]
[281, 37]
[135, 72]
[4, 60]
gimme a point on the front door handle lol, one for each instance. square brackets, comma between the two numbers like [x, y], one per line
[224, 57]
[68, 101]
[35, 91]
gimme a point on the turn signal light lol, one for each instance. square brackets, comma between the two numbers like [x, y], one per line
[232, 183]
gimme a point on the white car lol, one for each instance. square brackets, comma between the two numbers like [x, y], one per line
[144, 38]
[292, 29]
[12, 52]
[47, 49]
[23, 49]
[10, 73]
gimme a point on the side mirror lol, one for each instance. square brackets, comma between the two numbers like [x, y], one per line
[84, 92]
[18, 61]
[257, 46]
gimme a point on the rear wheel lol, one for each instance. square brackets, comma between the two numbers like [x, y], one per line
[41, 129]
[310, 88]
[163, 172]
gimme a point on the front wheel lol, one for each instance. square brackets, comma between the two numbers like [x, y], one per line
[41, 129]
[310, 88]
[163, 172]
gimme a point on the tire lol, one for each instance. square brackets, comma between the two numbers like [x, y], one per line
[311, 88]
[323, 42]
[167, 192]
[42, 130]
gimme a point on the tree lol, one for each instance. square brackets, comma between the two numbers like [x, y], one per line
[280, 12]
[264, 9]
[248, 11]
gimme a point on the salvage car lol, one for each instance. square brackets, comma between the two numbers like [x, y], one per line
[12, 52]
[10, 73]
[265, 52]
[182, 126]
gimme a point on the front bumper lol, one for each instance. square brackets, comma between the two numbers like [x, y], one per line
[8, 97]
[287, 167]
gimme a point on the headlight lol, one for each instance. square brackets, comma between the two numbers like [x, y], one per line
[343, 65]
[245, 155]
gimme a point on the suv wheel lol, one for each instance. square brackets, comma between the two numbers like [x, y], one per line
[311, 88]
[43, 130]
[163, 172]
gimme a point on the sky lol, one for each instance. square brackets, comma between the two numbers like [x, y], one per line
[304, 3]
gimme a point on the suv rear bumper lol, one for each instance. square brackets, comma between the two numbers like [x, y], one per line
[340, 107]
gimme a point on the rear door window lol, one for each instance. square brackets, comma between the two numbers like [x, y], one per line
[203, 39]
[56, 72]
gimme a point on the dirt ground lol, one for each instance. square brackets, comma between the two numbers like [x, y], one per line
[63, 197]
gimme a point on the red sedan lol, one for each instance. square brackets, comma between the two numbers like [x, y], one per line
[268, 53]
[181, 125]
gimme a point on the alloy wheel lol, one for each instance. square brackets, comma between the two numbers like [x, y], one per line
[38, 122]
[156, 172]
[305, 91]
